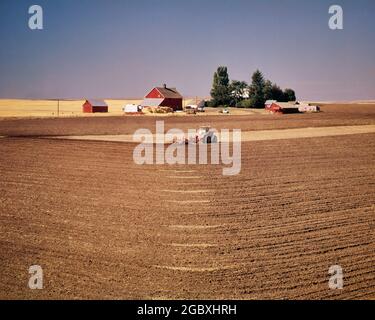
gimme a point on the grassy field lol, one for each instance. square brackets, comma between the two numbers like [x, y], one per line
[102, 227]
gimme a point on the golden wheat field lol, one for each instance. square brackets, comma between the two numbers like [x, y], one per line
[23, 108]
[52, 108]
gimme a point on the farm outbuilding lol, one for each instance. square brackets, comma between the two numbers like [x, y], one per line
[308, 108]
[163, 97]
[290, 107]
[131, 108]
[281, 107]
[268, 103]
[95, 106]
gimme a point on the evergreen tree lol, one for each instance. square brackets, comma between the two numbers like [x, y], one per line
[257, 90]
[268, 90]
[220, 92]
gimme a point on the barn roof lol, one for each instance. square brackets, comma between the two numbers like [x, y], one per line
[286, 105]
[152, 102]
[270, 102]
[169, 92]
[97, 102]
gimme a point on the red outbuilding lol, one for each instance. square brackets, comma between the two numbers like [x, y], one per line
[163, 97]
[94, 106]
[281, 107]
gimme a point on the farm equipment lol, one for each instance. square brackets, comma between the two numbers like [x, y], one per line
[190, 110]
[200, 109]
[204, 135]
[224, 111]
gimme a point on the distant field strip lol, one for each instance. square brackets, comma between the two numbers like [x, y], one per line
[306, 133]
[262, 135]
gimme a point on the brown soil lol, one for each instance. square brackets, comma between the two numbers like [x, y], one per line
[332, 115]
[103, 227]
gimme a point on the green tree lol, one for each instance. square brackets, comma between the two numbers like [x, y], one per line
[268, 90]
[257, 90]
[289, 95]
[277, 93]
[246, 103]
[220, 92]
[238, 90]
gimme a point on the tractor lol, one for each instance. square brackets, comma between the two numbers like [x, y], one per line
[204, 135]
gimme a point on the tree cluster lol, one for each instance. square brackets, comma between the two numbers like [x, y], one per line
[240, 94]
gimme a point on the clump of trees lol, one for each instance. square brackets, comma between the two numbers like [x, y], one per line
[240, 94]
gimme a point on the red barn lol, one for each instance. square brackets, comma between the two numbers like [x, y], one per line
[163, 97]
[281, 107]
[94, 106]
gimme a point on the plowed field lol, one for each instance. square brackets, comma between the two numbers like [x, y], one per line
[102, 227]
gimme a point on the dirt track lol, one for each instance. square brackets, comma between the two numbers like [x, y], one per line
[102, 227]
[259, 135]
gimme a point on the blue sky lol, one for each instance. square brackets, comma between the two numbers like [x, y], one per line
[122, 48]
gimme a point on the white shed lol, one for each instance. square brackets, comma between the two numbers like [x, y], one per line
[131, 108]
